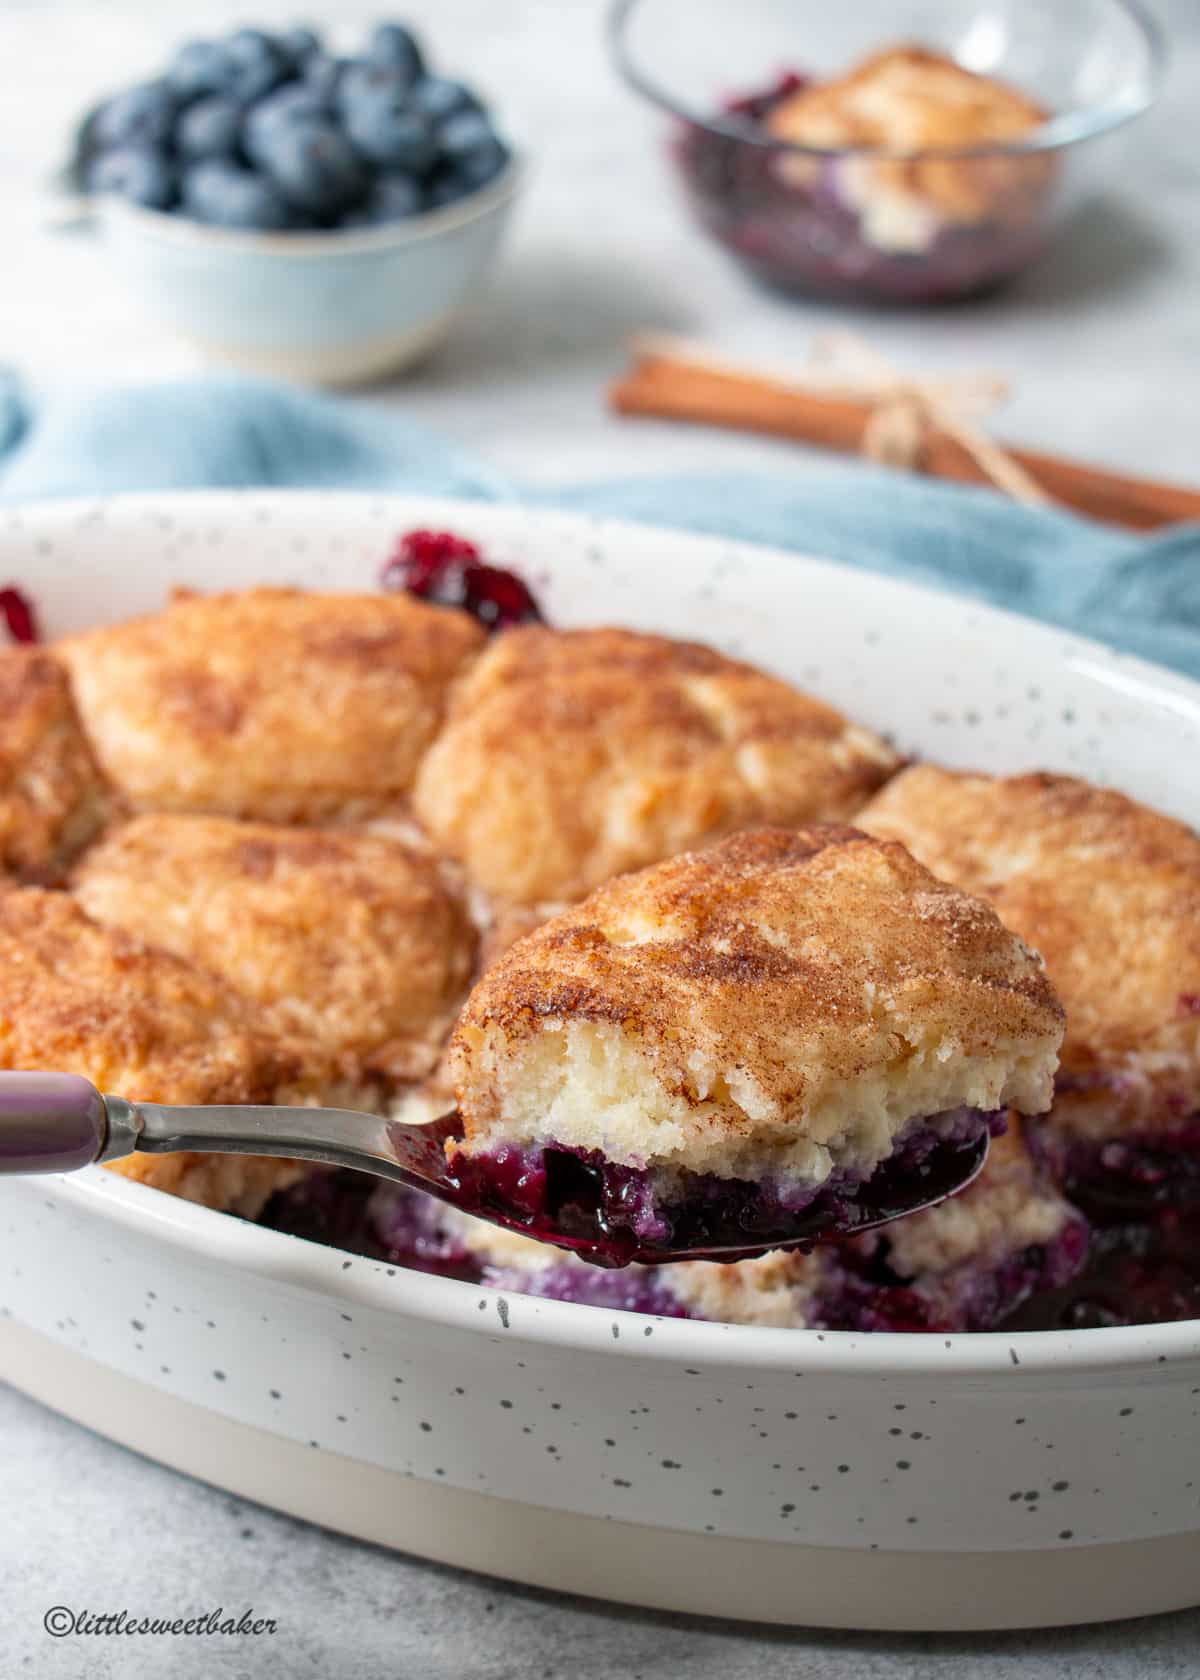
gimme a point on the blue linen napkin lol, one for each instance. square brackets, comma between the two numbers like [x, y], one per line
[1139, 594]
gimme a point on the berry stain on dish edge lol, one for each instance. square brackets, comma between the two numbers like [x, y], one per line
[19, 615]
[449, 571]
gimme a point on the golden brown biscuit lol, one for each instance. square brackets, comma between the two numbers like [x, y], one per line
[273, 703]
[905, 99]
[79, 998]
[52, 796]
[1109, 892]
[568, 756]
[349, 939]
[909, 99]
[780, 1006]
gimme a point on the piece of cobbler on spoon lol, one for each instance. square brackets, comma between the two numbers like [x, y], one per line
[768, 1041]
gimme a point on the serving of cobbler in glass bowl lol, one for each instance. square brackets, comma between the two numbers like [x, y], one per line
[894, 153]
[638, 850]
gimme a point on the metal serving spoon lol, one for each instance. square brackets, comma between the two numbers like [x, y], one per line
[58, 1122]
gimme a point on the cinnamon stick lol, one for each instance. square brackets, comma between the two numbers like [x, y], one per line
[672, 388]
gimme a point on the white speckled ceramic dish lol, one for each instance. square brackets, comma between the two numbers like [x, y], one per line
[836, 1479]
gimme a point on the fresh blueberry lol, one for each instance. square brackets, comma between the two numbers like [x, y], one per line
[257, 64]
[226, 195]
[445, 186]
[141, 116]
[323, 74]
[362, 81]
[288, 106]
[83, 150]
[393, 44]
[384, 129]
[393, 197]
[471, 146]
[209, 128]
[439, 99]
[137, 173]
[315, 167]
[299, 44]
[199, 68]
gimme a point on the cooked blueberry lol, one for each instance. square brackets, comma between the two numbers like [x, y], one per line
[141, 116]
[228, 196]
[299, 44]
[439, 99]
[137, 173]
[471, 145]
[288, 106]
[257, 64]
[386, 131]
[314, 166]
[392, 43]
[392, 198]
[198, 68]
[209, 128]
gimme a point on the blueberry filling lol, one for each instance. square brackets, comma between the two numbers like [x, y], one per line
[364, 1215]
[449, 571]
[801, 233]
[1121, 1176]
[1136, 1271]
[866, 1293]
[612, 1214]
[1140, 1271]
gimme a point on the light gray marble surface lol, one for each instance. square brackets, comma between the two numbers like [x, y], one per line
[1103, 346]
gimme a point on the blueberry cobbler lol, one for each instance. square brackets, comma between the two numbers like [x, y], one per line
[714, 1044]
[411, 849]
[908, 177]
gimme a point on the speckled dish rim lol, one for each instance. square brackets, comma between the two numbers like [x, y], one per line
[329, 1272]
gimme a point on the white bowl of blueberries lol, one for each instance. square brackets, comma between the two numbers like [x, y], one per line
[298, 213]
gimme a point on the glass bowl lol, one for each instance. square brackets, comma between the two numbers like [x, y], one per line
[864, 222]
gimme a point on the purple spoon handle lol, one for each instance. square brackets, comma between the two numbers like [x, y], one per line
[50, 1122]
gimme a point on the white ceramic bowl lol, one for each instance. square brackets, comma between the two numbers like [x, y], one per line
[317, 308]
[831, 1479]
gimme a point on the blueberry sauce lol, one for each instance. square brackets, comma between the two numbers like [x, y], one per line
[794, 228]
[613, 1214]
[1139, 1271]
[1143, 1271]
[1125, 1177]
[20, 618]
[867, 1293]
[859, 1292]
[449, 571]
[368, 1216]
